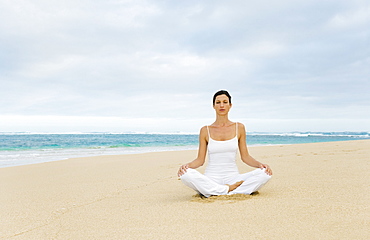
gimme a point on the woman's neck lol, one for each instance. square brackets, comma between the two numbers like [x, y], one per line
[222, 121]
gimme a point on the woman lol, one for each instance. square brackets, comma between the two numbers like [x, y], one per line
[223, 139]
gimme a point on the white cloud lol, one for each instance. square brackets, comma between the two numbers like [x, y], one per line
[52, 68]
[352, 18]
[55, 124]
[264, 49]
[164, 60]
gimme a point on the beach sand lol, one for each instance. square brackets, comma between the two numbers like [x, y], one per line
[318, 191]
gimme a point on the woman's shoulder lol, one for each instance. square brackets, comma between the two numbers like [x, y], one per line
[204, 130]
[203, 134]
[241, 126]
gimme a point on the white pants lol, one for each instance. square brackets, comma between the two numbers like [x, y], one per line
[204, 185]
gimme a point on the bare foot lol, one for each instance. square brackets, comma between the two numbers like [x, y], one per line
[232, 187]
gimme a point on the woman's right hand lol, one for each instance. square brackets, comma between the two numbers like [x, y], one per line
[182, 170]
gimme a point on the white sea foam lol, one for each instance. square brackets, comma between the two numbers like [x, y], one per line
[17, 158]
[87, 133]
[293, 134]
[318, 134]
[28, 149]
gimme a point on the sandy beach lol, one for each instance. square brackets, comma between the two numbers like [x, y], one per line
[318, 191]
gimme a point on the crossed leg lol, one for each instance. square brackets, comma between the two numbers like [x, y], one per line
[252, 181]
[202, 184]
[246, 183]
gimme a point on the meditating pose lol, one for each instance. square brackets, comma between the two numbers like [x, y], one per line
[223, 139]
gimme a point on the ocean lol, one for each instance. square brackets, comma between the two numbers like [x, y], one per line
[29, 148]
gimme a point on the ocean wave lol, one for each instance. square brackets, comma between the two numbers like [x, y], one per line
[25, 148]
[11, 158]
[99, 133]
[313, 134]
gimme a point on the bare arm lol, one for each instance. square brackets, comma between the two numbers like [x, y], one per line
[199, 161]
[244, 154]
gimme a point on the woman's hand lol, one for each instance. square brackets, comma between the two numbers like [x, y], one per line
[182, 170]
[267, 168]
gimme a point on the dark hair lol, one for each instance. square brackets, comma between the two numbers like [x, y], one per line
[221, 92]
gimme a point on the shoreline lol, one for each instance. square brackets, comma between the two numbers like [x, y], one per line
[22, 149]
[37, 156]
[90, 153]
[318, 191]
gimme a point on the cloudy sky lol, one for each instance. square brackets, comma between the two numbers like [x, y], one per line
[121, 65]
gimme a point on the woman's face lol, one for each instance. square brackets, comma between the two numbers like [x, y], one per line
[222, 104]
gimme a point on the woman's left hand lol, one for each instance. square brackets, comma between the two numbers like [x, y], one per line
[182, 170]
[267, 169]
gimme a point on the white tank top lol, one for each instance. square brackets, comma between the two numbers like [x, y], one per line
[221, 158]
